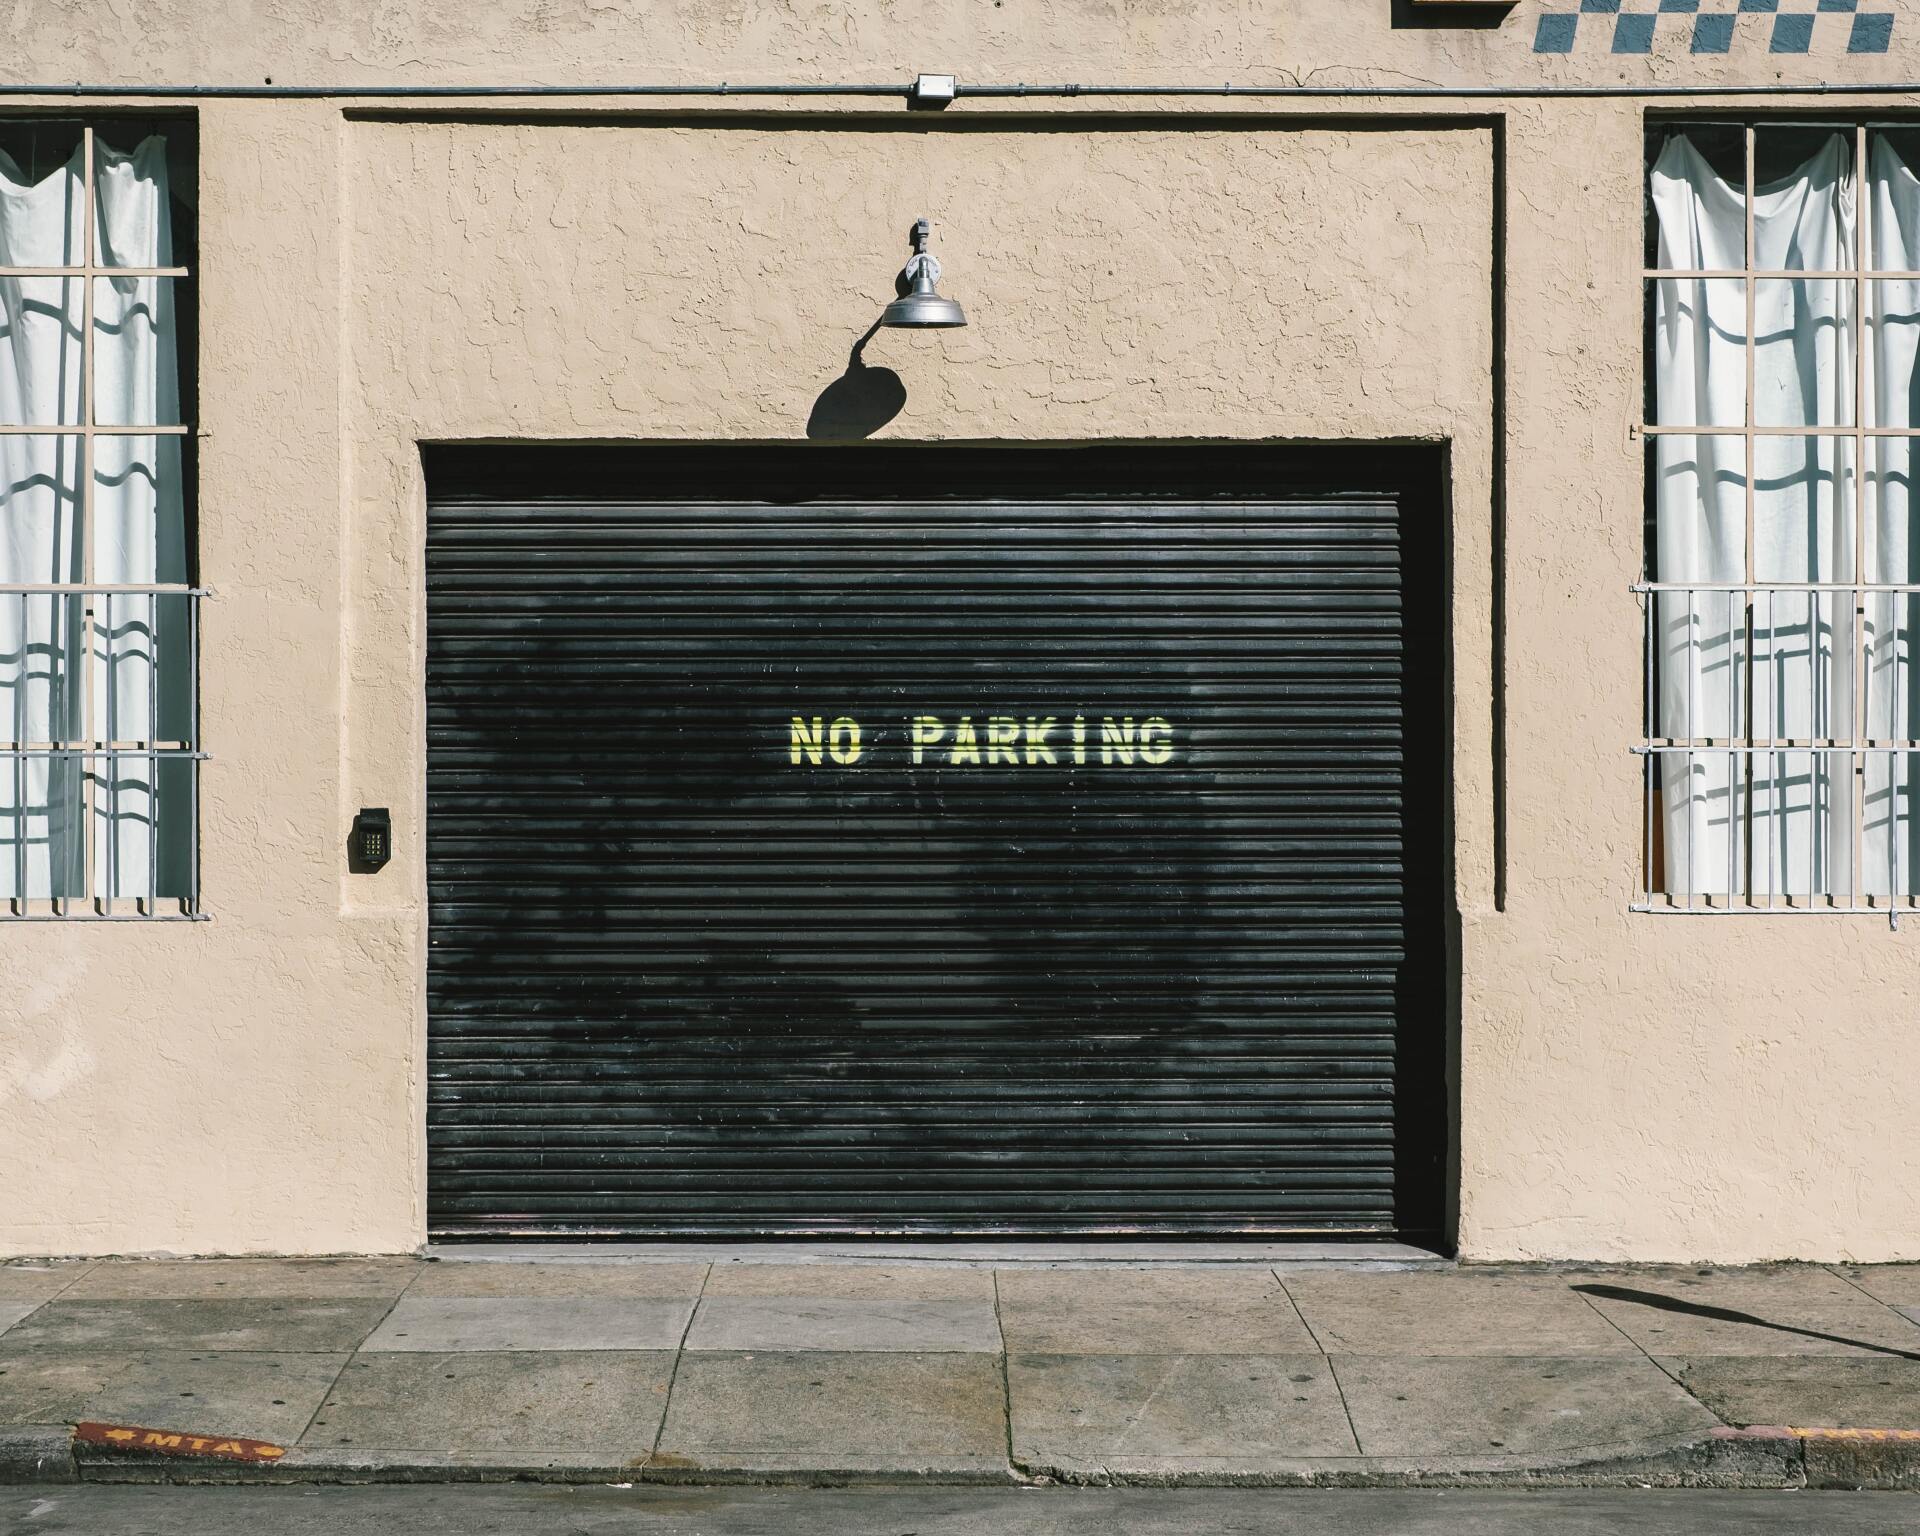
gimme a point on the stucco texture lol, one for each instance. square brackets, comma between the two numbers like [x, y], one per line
[376, 275]
[1157, 42]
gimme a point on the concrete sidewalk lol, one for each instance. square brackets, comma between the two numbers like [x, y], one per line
[749, 1368]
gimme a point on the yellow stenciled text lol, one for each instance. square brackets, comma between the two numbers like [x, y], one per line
[996, 741]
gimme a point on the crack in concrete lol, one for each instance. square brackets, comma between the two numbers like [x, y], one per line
[673, 1371]
[1006, 1377]
[1175, 1365]
[1332, 1370]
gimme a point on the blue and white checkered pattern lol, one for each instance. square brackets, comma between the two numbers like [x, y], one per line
[1790, 26]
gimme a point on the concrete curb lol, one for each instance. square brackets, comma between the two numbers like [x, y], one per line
[520, 1467]
[367, 1467]
[1726, 1459]
[1711, 1462]
[37, 1453]
[1883, 1460]
[1760, 1458]
[845, 1471]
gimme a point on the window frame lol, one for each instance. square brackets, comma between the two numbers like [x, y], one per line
[92, 745]
[1655, 895]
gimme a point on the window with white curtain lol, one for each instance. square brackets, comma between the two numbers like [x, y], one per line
[1782, 572]
[99, 624]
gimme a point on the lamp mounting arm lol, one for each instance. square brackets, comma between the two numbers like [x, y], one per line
[922, 259]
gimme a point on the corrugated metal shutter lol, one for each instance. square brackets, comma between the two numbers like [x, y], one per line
[686, 980]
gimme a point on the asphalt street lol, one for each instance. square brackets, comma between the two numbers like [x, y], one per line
[533, 1510]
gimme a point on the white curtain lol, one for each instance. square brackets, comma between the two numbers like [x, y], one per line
[1780, 823]
[138, 688]
[1892, 833]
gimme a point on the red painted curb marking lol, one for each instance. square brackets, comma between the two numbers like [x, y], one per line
[1909, 1435]
[1787, 1432]
[171, 1442]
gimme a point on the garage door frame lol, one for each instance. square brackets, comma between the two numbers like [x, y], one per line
[1415, 475]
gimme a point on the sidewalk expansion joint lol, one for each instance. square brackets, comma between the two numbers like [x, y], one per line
[1647, 1355]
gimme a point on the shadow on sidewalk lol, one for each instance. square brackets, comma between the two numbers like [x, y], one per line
[1727, 1315]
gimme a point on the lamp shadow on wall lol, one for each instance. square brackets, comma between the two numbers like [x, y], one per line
[861, 401]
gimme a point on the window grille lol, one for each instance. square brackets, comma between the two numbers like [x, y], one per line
[99, 614]
[1781, 589]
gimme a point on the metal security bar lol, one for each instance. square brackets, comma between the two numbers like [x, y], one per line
[1769, 784]
[82, 642]
[1816, 817]
[97, 821]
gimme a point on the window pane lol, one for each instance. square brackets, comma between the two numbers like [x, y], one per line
[138, 690]
[140, 660]
[1803, 658]
[131, 809]
[42, 847]
[40, 509]
[1797, 812]
[1693, 800]
[1893, 353]
[1804, 352]
[41, 319]
[1698, 485]
[1890, 848]
[1893, 550]
[40, 647]
[1803, 509]
[1803, 207]
[139, 510]
[137, 323]
[133, 203]
[1699, 634]
[1887, 631]
[1696, 209]
[42, 211]
[1890, 619]
[142, 684]
[1697, 351]
[1893, 200]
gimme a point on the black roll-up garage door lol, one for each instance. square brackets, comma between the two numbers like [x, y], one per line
[951, 841]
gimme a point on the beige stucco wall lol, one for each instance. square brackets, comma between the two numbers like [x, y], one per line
[1629, 1087]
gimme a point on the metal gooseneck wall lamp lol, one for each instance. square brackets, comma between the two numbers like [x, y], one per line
[921, 307]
